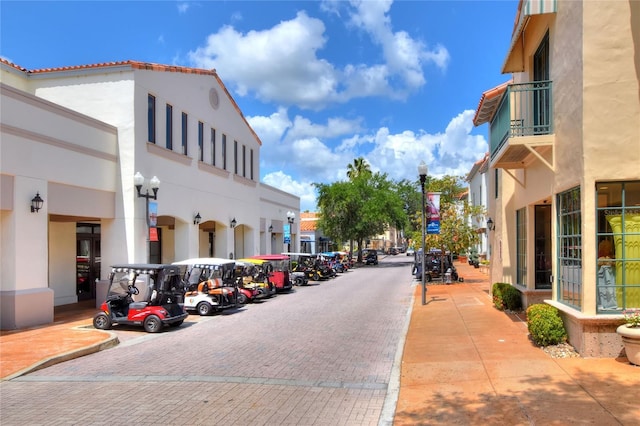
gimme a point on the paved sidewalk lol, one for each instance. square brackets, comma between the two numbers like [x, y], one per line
[467, 363]
[464, 363]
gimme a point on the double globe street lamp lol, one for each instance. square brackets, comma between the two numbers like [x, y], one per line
[154, 183]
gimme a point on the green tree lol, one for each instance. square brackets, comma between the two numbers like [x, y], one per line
[360, 208]
[358, 168]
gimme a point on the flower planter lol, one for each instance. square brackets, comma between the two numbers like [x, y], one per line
[631, 340]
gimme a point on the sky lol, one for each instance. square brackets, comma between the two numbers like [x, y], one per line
[321, 82]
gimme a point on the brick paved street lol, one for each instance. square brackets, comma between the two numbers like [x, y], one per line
[321, 355]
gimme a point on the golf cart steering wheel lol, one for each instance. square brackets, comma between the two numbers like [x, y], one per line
[133, 290]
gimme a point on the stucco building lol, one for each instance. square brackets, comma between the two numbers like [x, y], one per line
[477, 179]
[565, 164]
[75, 137]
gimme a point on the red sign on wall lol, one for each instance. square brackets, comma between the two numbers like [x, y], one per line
[153, 234]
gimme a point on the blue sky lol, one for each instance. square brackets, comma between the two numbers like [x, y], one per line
[321, 82]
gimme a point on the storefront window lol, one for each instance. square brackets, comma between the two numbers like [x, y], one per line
[618, 245]
[570, 248]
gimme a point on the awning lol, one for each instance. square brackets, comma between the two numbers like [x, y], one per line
[526, 8]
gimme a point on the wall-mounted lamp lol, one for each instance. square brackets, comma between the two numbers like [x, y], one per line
[270, 228]
[291, 216]
[490, 225]
[197, 218]
[233, 223]
[36, 203]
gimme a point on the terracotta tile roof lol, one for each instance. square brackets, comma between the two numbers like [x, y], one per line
[308, 221]
[489, 104]
[141, 66]
[479, 166]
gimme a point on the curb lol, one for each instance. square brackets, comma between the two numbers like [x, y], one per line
[111, 341]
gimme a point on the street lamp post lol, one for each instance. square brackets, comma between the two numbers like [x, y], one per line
[154, 183]
[232, 225]
[422, 171]
[290, 218]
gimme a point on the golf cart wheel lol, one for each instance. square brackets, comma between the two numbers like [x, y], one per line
[152, 324]
[316, 276]
[428, 278]
[299, 281]
[204, 308]
[242, 299]
[454, 276]
[102, 321]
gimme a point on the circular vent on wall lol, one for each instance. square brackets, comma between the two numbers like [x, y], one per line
[214, 99]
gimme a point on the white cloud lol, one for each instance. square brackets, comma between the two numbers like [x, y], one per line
[452, 152]
[305, 190]
[182, 7]
[286, 67]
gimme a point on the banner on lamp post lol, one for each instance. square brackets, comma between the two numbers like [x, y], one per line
[152, 220]
[287, 234]
[433, 212]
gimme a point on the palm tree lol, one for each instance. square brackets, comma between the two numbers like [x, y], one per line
[360, 167]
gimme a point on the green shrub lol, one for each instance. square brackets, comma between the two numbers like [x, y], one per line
[497, 291]
[545, 325]
[511, 298]
[506, 296]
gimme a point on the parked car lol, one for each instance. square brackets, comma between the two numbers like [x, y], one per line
[147, 295]
[209, 284]
[370, 257]
[410, 252]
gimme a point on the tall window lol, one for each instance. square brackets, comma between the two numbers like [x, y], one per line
[151, 118]
[521, 246]
[495, 183]
[618, 245]
[184, 133]
[244, 161]
[569, 248]
[213, 146]
[235, 157]
[224, 151]
[169, 113]
[200, 140]
[251, 164]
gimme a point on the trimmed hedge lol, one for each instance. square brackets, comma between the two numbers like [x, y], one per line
[545, 325]
[506, 296]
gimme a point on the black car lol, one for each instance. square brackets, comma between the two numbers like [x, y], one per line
[370, 257]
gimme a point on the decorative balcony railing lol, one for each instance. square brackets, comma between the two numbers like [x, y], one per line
[525, 110]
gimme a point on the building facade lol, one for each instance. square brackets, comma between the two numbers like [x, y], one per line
[77, 138]
[564, 184]
[477, 196]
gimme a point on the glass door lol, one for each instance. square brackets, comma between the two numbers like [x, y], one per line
[87, 260]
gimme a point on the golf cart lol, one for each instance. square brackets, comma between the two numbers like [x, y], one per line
[254, 274]
[210, 285]
[437, 266]
[279, 271]
[150, 295]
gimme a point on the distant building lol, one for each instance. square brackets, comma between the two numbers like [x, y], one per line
[477, 196]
